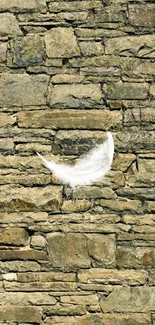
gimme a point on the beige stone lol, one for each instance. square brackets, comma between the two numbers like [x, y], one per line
[46, 277]
[112, 276]
[135, 257]
[144, 176]
[26, 298]
[22, 6]
[38, 242]
[14, 236]
[65, 309]
[91, 48]
[6, 120]
[29, 199]
[80, 299]
[123, 161]
[129, 299]
[68, 118]
[124, 90]
[23, 89]
[58, 6]
[146, 219]
[6, 144]
[68, 250]
[75, 95]
[76, 206]
[142, 15]
[19, 266]
[3, 50]
[20, 314]
[40, 286]
[137, 193]
[152, 90]
[61, 42]
[23, 255]
[141, 45]
[23, 217]
[9, 25]
[67, 78]
[121, 205]
[93, 192]
[102, 249]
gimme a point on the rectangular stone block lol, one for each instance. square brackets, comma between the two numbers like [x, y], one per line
[3, 50]
[71, 119]
[136, 257]
[23, 6]
[20, 314]
[23, 89]
[129, 299]
[134, 206]
[9, 25]
[23, 255]
[28, 199]
[26, 299]
[19, 266]
[58, 6]
[142, 15]
[141, 45]
[14, 236]
[125, 90]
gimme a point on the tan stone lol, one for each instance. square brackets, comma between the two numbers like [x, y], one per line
[142, 15]
[14, 236]
[26, 298]
[121, 205]
[23, 217]
[148, 114]
[22, 255]
[137, 193]
[29, 199]
[129, 299]
[68, 118]
[65, 309]
[68, 250]
[61, 42]
[76, 206]
[91, 48]
[144, 176]
[40, 286]
[67, 78]
[146, 219]
[19, 89]
[9, 25]
[152, 90]
[46, 277]
[38, 242]
[102, 249]
[123, 161]
[3, 50]
[141, 45]
[19, 266]
[20, 314]
[135, 141]
[132, 277]
[135, 257]
[125, 90]
[75, 95]
[93, 192]
[6, 120]
[6, 144]
[22, 6]
[57, 6]
[80, 299]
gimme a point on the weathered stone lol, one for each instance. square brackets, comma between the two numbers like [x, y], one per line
[3, 49]
[6, 144]
[141, 45]
[133, 206]
[23, 217]
[129, 299]
[124, 90]
[9, 25]
[6, 120]
[61, 42]
[65, 309]
[98, 33]
[136, 140]
[38, 242]
[29, 199]
[75, 95]
[23, 6]
[91, 48]
[46, 277]
[109, 14]
[93, 192]
[19, 266]
[20, 314]
[40, 286]
[136, 193]
[67, 78]
[80, 300]
[146, 219]
[68, 119]
[150, 206]
[152, 90]
[58, 6]
[76, 206]
[102, 249]
[123, 161]
[26, 51]
[100, 318]
[135, 257]
[132, 277]
[142, 15]
[19, 89]
[144, 176]
[14, 236]
[26, 298]
[68, 250]
[22, 255]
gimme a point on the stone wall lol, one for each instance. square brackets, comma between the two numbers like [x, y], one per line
[70, 70]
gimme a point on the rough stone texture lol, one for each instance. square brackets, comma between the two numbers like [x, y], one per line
[19, 89]
[70, 71]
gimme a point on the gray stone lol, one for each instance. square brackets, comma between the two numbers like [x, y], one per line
[142, 15]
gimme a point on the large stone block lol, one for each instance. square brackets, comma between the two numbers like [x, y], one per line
[68, 250]
[23, 6]
[102, 249]
[142, 15]
[6, 120]
[20, 314]
[23, 89]
[71, 119]
[136, 257]
[134, 206]
[14, 236]
[75, 95]
[73, 6]
[126, 90]
[61, 43]
[30, 199]
[129, 299]
[9, 25]
[26, 51]
[141, 45]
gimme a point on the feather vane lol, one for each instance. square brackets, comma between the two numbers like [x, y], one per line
[90, 167]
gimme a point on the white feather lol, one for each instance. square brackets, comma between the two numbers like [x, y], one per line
[90, 167]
